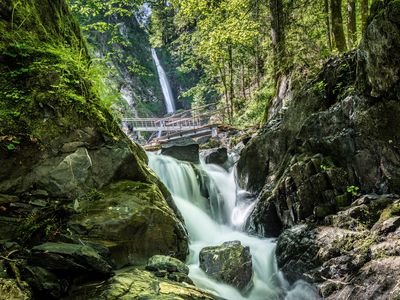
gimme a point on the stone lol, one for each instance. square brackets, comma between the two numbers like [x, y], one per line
[67, 257]
[217, 156]
[184, 149]
[387, 226]
[44, 282]
[228, 263]
[133, 283]
[134, 221]
[169, 267]
[9, 290]
[167, 263]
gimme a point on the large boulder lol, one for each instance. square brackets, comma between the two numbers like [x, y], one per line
[217, 156]
[229, 263]
[183, 149]
[133, 220]
[130, 284]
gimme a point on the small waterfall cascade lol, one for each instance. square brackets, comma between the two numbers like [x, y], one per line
[165, 86]
[218, 218]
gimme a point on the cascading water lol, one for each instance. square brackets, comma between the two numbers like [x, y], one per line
[165, 86]
[216, 219]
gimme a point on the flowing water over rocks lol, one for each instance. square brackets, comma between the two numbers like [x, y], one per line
[218, 217]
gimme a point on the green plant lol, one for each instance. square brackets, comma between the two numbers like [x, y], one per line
[325, 167]
[353, 190]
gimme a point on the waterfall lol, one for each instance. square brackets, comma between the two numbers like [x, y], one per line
[218, 218]
[166, 88]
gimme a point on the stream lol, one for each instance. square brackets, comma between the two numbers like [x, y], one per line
[219, 218]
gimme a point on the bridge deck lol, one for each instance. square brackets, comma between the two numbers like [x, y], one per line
[187, 123]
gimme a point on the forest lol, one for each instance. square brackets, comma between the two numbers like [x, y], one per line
[199, 149]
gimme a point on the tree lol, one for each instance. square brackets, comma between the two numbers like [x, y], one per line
[364, 14]
[337, 25]
[351, 23]
[277, 36]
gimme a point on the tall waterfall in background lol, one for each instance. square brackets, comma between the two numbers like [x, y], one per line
[217, 219]
[166, 88]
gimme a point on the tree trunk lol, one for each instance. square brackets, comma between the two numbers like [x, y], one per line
[337, 25]
[328, 25]
[277, 36]
[243, 80]
[351, 23]
[231, 86]
[364, 14]
[223, 79]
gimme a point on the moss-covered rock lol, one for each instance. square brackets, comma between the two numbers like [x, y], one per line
[229, 263]
[133, 220]
[138, 284]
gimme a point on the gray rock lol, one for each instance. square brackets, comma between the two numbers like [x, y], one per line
[229, 263]
[386, 226]
[185, 149]
[63, 256]
[217, 156]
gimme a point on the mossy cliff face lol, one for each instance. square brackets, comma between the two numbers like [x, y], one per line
[67, 169]
[330, 162]
[339, 136]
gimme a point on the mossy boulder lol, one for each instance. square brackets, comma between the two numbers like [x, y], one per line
[135, 283]
[133, 220]
[229, 263]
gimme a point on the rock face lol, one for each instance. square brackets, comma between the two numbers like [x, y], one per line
[138, 284]
[217, 156]
[229, 263]
[77, 198]
[338, 137]
[133, 220]
[355, 255]
[330, 161]
[184, 149]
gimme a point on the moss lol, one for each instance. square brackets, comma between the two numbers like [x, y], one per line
[391, 211]
[45, 87]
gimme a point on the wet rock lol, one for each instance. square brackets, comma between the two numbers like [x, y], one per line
[216, 156]
[138, 284]
[44, 283]
[133, 220]
[229, 263]
[167, 263]
[9, 289]
[69, 257]
[168, 267]
[184, 149]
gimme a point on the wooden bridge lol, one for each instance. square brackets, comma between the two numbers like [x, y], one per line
[197, 122]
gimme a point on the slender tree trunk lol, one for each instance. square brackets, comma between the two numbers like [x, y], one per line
[277, 36]
[231, 86]
[328, 25]
[351, 23]
[364, 14]
[223, 79]
[337, 25]
[243, 80]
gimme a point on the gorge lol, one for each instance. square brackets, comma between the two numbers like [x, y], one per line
[304, 205]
